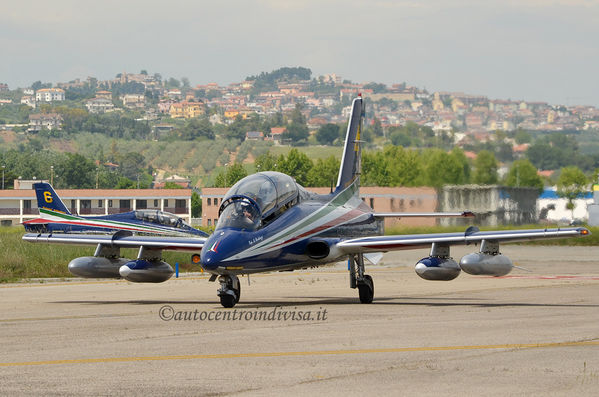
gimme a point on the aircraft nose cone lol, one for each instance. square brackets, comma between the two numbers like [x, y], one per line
[219, 247]
[125, 271]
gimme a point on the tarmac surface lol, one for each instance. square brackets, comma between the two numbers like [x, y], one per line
[527, 333]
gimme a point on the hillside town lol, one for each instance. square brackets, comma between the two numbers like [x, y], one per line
[324, 100]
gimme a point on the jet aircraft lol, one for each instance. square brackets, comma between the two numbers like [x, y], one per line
[267, 222]
[55, 217]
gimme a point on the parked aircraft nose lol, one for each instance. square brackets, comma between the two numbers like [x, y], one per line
[218, 248]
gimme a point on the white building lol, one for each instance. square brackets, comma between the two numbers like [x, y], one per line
[18, 205]
[552, 208]
[50, 95]
[99, 105]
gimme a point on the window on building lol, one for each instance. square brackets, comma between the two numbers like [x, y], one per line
[156, 204]
[124, 204]
[209, 201]
[142, 204]
[372, 203]
[209, 222]
[100, 203]
[86, 204]
[166, 203]
[109, 203]
[27, 204]
[180, 204]
[215, 222]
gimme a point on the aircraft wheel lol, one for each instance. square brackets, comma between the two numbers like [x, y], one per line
[228, 301]
[366, 289]
[230, 291]
[237, 292]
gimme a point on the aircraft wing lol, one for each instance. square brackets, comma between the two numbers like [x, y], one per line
[121, 240]
[464, 214]
[414, 241]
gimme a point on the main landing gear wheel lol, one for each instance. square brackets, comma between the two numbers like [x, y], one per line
[366, 289]
[230, 291]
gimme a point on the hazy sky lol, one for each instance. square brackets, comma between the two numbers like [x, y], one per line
[538, 50]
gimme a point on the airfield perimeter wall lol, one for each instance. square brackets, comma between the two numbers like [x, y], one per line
[493, 204]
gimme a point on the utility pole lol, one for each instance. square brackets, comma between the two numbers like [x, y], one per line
[3, 167]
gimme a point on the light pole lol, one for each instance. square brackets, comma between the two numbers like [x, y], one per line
[3, 167]
[52, 175]
[226, 164]
[97, 177]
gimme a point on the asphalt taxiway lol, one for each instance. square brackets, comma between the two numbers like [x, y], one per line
[528, 333]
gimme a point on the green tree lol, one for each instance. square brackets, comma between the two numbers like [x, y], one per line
[230, 175]
[522, 136]
[377, 127]
[523, 173]
[196, 205]
[571, 184]
[324, 172]
[327, 134]
[76, 171]
[132, 165]
[297, 164]
[485, 168]
[266, 162]
[297, 132]
[443, 168]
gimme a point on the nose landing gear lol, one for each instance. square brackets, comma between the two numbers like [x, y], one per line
[360, 280]
[229, 291]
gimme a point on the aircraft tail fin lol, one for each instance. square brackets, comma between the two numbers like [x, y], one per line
[48, 199]
[349, 172]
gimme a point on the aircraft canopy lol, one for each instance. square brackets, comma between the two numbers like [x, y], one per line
[260, 195]
[159, 217]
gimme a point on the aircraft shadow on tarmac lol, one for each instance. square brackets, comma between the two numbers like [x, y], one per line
[320, 301]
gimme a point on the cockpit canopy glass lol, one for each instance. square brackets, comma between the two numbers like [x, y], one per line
[240, 213]
[159, 217]
[268, 191]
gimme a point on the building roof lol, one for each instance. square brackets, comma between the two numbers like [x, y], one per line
[71, 194]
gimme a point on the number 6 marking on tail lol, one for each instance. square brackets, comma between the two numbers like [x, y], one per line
[48, 197]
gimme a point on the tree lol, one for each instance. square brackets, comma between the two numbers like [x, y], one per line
[523, 173]
[76, 171]
[297, 164]
[297, 131]
[443, 168]
[195, 129]
[132, 165]
[196, 205]
[377, 127]
[485, 168]
[327, 134]
[324, 172]
[571, 184]
[230, 175]
[266, 162]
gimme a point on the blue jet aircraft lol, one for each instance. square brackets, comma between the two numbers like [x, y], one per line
[55, 217]
[267, 222]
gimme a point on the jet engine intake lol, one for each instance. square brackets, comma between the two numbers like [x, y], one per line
[481, 264]
[437, 268]
[318, 249]
[145, 271]
[97, 266]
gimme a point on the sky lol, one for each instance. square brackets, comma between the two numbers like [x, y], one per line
[533, 50]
